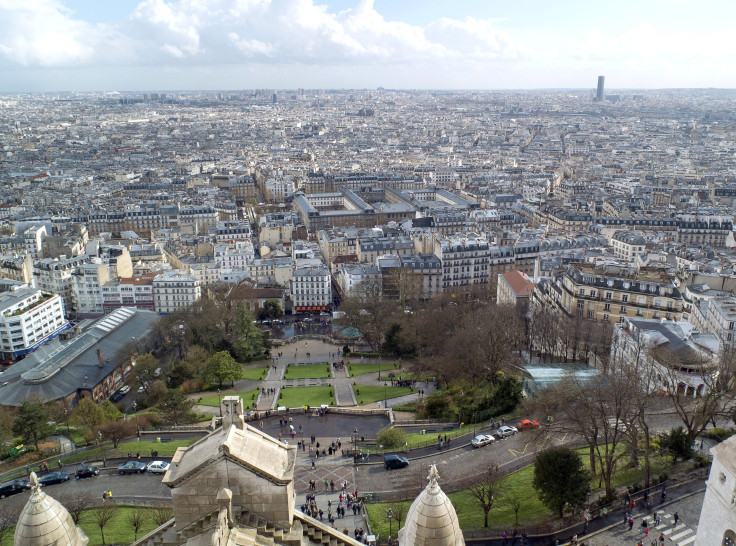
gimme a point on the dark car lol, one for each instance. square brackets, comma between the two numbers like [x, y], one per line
[13, 487]
[117, 397]
[131, 467]
[54, 477]
[87, 471]
[395, 461]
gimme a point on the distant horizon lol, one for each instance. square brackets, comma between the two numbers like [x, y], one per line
[47, 45]
[608, 91]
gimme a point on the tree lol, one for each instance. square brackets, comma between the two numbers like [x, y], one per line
[117, 431]
[136, 519]
[110, 412]
[248, 340]
[102, 515]
[391, 437]
[222, 368]
[486, 490]
[176, 407]
[8, 519]
[367, 310]
[398, 509]
[144, 371]
[77, 503]
[560, 479]
[677, 443]
[160, 515]
[7, 418]
[271, 310]
[32, 423]
[88, 414]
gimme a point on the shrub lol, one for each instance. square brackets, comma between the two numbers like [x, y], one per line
[391, 437]
[720, 434]
[663, 477]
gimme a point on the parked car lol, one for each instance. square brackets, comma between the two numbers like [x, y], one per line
[525, 424]
[54, 477]
[158, 467]
[132, 467]
[86, 471]
[482, 440]
[116, 397]
[13, 487]
[395, 461]
[505, 431]
[308, 319]
[125, 389]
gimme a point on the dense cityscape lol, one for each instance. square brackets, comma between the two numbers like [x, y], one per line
[268, 295]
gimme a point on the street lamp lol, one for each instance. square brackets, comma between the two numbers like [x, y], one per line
[137, 430]
[390, 515]
[385, 396]
[66, 418]
[102, 447]
[219, 403]
[473, 424]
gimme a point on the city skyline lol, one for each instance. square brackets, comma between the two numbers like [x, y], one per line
[80, 45]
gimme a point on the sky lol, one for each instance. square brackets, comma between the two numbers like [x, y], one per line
[160, 45]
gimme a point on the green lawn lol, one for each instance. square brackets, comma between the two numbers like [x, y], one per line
[165, 449]
[358, 368]
[256, 374]
[309, 371]
[294, 397]
[365, 394]
[117, 531]
[213, 400]
[416, 439]
[515, 485]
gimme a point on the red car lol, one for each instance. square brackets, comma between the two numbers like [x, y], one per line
[526, 424]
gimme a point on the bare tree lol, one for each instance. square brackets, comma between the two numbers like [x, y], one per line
[486, 491]
[136, 519]
[116, 431]
[161, 514]
[398, 509]
[76, 504]
[102, 515]
[8, 519]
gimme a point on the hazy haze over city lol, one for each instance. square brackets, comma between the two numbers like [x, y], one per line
[48, 45]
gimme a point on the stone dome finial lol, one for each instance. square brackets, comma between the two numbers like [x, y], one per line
[431, 519]
[45, 522]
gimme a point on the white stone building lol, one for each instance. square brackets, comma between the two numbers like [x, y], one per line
[465, 260]
[311, 290]
[87, 281]
[55, 276]
[28, 319]
[175, 291]
[717, 525]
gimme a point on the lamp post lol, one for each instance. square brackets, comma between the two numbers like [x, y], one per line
[390, 515]
[102, 447]
[137, 430]
[66, 418]
[473, 424]
[219, 403]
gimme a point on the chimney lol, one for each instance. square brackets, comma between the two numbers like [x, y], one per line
[100, 359]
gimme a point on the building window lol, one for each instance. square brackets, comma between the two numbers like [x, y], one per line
[609, 295]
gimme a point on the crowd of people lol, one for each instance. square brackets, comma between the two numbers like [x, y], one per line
[346, 501]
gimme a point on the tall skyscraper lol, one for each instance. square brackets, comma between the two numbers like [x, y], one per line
[599, 93]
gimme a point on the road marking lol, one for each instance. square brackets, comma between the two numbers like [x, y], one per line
[678, 528]
[678, 536]
[687, 541]
[519, 453]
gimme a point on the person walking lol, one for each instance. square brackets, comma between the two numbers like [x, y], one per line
[677, 518]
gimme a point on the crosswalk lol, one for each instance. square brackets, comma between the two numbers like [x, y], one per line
[679, 534]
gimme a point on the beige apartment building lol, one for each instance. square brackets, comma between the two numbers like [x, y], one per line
[615, 293]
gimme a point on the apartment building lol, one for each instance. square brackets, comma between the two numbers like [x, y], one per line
[232, 232]
[614, 293]
[55, 276]
[425, 273]
[370, 249]
[234, 258]
[628, 244]
[465, 260]
[17, 268]
[87, 282]
[272, 271]
[513, 288]
[353, 274]
[28, 319]
[175, 291]
[129, 292]
[311, 290]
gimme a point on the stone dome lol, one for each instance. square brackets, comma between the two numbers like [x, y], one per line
[45, 522]
[431, 520]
